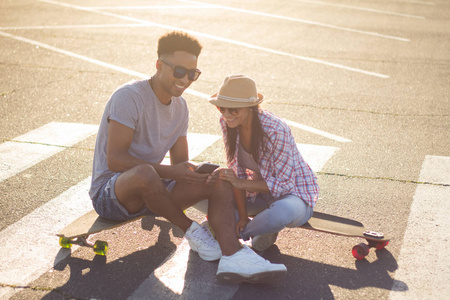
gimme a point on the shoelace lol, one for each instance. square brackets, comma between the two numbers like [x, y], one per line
[256, 258]
[205, 236]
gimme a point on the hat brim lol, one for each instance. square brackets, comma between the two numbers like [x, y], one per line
[215, 100]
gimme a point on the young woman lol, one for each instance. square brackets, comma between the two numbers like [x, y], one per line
[271, 181]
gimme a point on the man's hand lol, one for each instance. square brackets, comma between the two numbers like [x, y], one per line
[240, 226]
[185, 173]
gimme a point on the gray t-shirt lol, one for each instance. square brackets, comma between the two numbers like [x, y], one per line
[156, 127]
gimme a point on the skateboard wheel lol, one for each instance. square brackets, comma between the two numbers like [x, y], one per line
[100, 248]
[381, 245]
[360, 251]
[65, 242]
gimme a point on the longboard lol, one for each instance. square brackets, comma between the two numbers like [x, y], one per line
[347, 227]
[78, 232]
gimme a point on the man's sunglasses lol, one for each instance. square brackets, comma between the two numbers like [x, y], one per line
[232, 111]
[180, 72]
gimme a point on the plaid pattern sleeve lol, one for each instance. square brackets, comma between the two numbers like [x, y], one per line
[282, 166]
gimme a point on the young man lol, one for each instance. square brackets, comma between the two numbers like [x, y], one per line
[142, 121]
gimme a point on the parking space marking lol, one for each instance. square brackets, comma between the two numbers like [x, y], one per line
[317, 131]
[35, 146]
[225, 40]
[34, 236]
[384, 12]
[40, 226]
[197, 142]
[424, 267]
[30, 246]
[267, 15]
[142, 75]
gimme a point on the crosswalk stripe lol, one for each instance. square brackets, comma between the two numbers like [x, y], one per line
[424, 267]
[33, 147]
[171, 274]
[197, 143]
[316, 156]
[30, 246]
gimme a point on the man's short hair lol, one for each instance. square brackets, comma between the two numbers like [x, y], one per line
[178, 41]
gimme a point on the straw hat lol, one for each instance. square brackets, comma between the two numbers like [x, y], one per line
[237, 91]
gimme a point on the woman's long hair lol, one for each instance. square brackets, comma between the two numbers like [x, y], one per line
[259, 138]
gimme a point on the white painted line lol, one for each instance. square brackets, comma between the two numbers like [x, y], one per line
[415, 2]
[317, 131]
[91, 60]
[141, 75]
[30, 246]
[230, 41]
[33, 147]
[316, 156]
[72, 26]
[169, 281]
[148, 7]
[424, 264]
[197, 143]
[301, 21]
[362, 9]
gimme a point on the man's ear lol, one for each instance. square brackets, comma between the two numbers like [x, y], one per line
[158, 64]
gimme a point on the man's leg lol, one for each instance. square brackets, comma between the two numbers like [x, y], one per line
[141, 186]
[221, 209]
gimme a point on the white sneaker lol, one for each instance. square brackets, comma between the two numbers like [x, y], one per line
[264, 241]
[247, 266]
[201, 241]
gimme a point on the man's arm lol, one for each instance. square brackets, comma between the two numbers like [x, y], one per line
[118, 157]
[179, 152]
[120, 160]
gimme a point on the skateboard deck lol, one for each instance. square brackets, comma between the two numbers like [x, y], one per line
[347, 227]
[78, 232]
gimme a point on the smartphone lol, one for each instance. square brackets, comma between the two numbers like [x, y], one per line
[206, 167]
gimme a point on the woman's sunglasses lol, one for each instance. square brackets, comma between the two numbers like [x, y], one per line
[232, 111]
[180, 72]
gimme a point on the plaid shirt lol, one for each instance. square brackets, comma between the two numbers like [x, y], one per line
[281, 166]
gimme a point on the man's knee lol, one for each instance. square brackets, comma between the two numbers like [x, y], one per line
[145, 178]
[222, 186]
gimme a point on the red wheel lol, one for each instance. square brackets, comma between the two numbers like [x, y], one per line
[381, 245]
[360, 251]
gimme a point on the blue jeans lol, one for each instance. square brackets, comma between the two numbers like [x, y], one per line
[271, 215]
[108, 207]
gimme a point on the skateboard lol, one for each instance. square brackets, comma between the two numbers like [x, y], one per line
[347, 227]
[78, 232]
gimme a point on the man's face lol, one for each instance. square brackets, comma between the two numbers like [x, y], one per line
[176, 86]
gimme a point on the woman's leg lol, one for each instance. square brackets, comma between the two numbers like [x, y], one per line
[288, 211]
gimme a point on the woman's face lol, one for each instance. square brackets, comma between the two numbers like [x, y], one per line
[237, 117]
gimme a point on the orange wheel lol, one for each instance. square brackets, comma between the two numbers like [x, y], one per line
[381, 245]
[360, 251]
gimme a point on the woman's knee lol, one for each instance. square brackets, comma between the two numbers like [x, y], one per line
[291, 213]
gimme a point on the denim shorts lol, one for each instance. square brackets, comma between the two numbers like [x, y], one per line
[108, 207]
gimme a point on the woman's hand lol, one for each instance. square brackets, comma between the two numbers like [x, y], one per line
[228, 175]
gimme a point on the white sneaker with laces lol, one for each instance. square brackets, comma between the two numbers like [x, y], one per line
[247, 266]
[264, 241]
[201, 241]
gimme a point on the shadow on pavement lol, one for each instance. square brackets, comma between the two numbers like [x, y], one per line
[120, 278]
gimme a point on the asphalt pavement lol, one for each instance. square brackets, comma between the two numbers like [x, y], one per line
[364, 86]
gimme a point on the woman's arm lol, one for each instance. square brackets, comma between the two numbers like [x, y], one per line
[259, 186]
